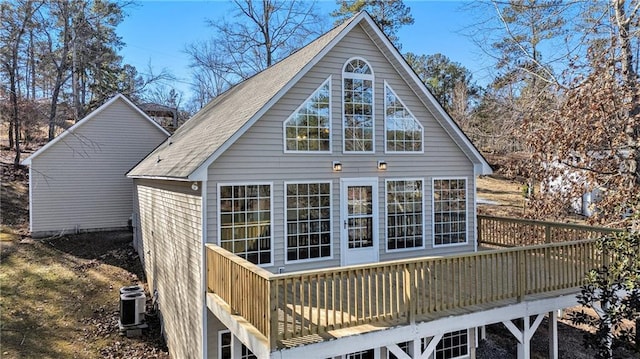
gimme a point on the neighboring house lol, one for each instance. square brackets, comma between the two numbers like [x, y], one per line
[165, 116]
[336, 156]
[77, 181]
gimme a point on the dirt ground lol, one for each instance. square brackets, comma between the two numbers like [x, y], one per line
[59, 296]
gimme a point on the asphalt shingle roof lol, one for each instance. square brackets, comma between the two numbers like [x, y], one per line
[208, 130]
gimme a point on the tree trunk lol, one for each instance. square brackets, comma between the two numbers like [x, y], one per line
[15, 118]
[53, 110]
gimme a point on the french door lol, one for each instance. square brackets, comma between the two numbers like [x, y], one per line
[359, 220]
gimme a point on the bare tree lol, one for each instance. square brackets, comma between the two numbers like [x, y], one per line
[16, 18]
[261, 33]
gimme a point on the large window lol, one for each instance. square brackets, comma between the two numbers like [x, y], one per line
[357, 104]
[225, 347]
[450, 211]
[308, 230]
[404, 214]
[453, 345]
[403, 133]
[308, 129]
[245, 221]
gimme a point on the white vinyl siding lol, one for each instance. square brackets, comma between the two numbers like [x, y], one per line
[308, 129]
[403, 133]
[79, 183]
[171, 241]
[450, 211]
[405, 214]
[258, 156]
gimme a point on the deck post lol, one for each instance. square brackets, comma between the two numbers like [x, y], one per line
[410, 293]
[272, 316]
[547, 233]
[552, 322]
[473, 339]
[479, 230]
[521, 275]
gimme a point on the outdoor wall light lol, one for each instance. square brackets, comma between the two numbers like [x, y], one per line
[382, 165]
[337, 166]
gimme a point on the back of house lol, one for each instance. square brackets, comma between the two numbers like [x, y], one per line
[338, 155]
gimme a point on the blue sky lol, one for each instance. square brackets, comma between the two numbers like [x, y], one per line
[156, 33]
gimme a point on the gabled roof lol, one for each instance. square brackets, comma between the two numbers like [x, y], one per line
[193, 147]
[89, 117]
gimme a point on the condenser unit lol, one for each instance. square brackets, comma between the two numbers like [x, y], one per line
[131, 289]
[132, 307]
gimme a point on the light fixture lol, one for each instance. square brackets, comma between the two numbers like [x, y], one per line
[337, 166]
[382, 165]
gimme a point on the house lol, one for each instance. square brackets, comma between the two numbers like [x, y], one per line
[77, 181]
[300, 213]
[165, 116]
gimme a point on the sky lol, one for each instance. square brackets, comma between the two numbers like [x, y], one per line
[156, 33]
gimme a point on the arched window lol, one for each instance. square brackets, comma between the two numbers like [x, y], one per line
[357, 106]
[308, 129]
[403, 133]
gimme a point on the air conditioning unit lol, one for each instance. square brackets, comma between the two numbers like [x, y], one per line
[131, 289]
[132, 306]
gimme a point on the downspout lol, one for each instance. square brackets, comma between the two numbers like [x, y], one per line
[203, 272]
[475, 214]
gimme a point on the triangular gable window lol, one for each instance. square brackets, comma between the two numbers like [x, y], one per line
[403, 133]
[308, 129]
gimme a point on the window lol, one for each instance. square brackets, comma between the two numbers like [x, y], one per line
[357, 106]
[225, 347]
[245, 221]
[365, 354]
[453, 345]
[308, 129]
[308, 230]
[449, 211]
[403, 133]
[404, 214]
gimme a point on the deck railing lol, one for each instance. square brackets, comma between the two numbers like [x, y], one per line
[512, 232]
[286, 307]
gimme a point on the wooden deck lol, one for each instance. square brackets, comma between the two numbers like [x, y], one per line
[306, 307]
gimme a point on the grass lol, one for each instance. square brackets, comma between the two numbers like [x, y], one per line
[505, 195]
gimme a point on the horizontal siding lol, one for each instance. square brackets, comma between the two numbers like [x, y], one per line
[170, 229]
[258, 155]
[79, 182]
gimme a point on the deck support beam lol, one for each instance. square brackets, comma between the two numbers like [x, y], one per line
[399, 353]
[552, 323]
[524, 335]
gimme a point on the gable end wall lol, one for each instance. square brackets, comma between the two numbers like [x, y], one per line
[258, 156]
[79, 183]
